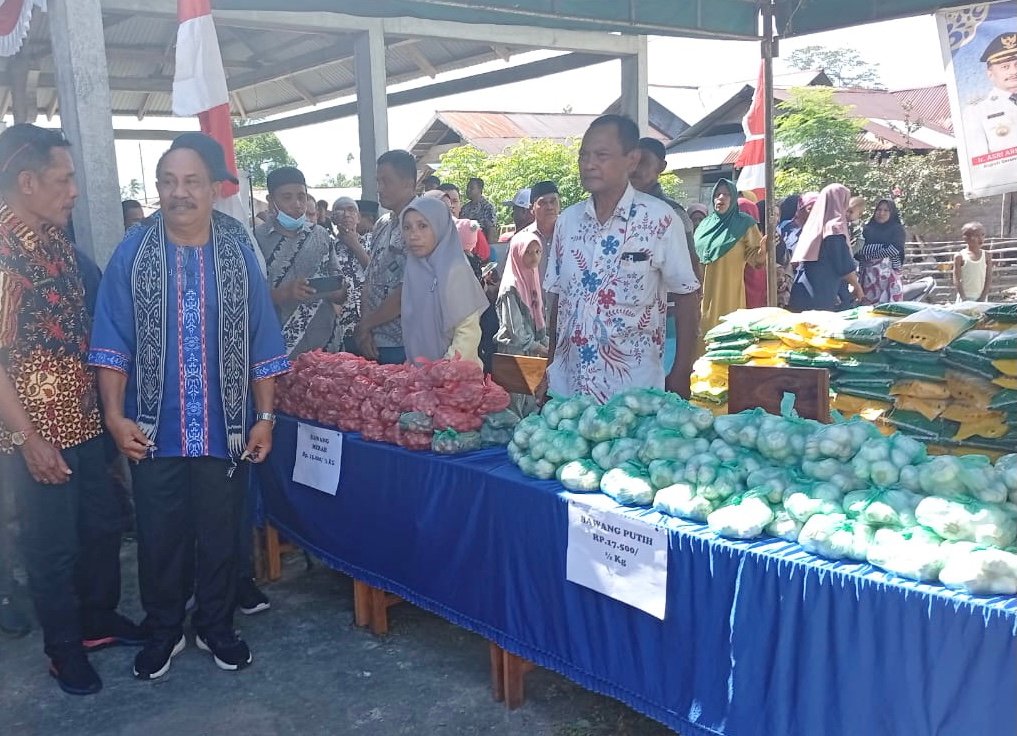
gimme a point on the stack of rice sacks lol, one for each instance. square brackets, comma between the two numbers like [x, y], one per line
[944, 374]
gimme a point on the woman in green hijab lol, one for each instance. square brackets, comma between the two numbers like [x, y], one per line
[726, 241]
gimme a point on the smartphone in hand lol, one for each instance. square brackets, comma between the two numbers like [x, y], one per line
[325, 284]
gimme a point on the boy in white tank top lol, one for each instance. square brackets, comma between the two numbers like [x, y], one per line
[972, 267]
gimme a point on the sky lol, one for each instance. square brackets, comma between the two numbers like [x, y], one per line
[907, 53]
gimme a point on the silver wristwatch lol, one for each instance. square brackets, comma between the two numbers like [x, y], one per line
[264, 416]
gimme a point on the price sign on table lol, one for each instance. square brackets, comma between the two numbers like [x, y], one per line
[319, 458]
[617, 555]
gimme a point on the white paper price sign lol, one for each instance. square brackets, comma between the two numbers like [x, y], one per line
[319, 458]
[621, 557]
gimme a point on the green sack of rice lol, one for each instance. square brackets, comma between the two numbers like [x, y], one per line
[864, 393]
[864, 381]
[922, 371]
[902, 354]
[1006, 313]
[736, 342]
[974, 364]
[1003, 345]
[810, 359]
[913, 423]
[972, 341]
[727, 357]
[865, 331]
[898, 309]
[865, 363]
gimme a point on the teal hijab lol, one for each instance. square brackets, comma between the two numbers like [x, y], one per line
[718, 233]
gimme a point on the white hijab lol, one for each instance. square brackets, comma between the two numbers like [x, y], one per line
[439, 291]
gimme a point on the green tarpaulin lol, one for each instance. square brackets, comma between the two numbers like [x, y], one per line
[709, 18]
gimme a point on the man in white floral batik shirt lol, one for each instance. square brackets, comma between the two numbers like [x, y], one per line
[613, 261]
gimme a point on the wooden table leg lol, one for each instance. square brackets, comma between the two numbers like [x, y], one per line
[273, 553]
[515, 669]
[361, 603]
[497, 671]
[379, 612]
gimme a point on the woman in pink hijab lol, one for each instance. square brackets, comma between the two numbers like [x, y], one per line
[520, 303]
[755, 277]
[823, 255]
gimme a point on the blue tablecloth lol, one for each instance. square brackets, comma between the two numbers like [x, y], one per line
[759, 639]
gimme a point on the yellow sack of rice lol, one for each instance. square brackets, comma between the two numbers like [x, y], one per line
[967, 389]
[769, 362]
[765, 349]
[931, 328]
[961, 450]
[854, 406]
[985, 428]
[709, 393]
[710, 372]
[970, 309]
[928, 408]
[1006, 366]
[793, 340]
[967, 414]
[921, 389]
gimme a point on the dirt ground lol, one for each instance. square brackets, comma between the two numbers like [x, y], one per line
[313, 673]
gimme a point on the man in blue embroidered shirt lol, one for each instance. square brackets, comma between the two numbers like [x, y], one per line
[185, 336]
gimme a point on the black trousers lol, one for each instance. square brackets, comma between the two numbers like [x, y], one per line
[70, 534]
[8, 536]
[187, 512]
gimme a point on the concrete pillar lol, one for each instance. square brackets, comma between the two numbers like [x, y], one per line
[86, 115]
[23, 109]
[635, 101]
[372, 105]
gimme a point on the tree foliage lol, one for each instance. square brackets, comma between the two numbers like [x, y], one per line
[845, 67]
[131, 190]
[339, 181]
[817, 142]
[259, 154]
[925, 186]
[519, 166]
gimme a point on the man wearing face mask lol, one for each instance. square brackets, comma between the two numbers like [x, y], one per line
[297, 250]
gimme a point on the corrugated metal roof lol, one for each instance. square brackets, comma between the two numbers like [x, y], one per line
[268, 70]
[910, 119]
[493, 132]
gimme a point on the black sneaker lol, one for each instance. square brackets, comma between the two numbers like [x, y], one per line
[117, 630]
[74, 673]
[229, 652]
[250, 599]
[13, 621]
[154, 660]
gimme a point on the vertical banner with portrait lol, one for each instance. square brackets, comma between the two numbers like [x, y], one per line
[980, 52]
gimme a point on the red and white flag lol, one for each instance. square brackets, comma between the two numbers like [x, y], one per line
[15, 17]
[752, 159]
[199, 84]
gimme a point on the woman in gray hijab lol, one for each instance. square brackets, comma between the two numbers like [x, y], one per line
[441, 300]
